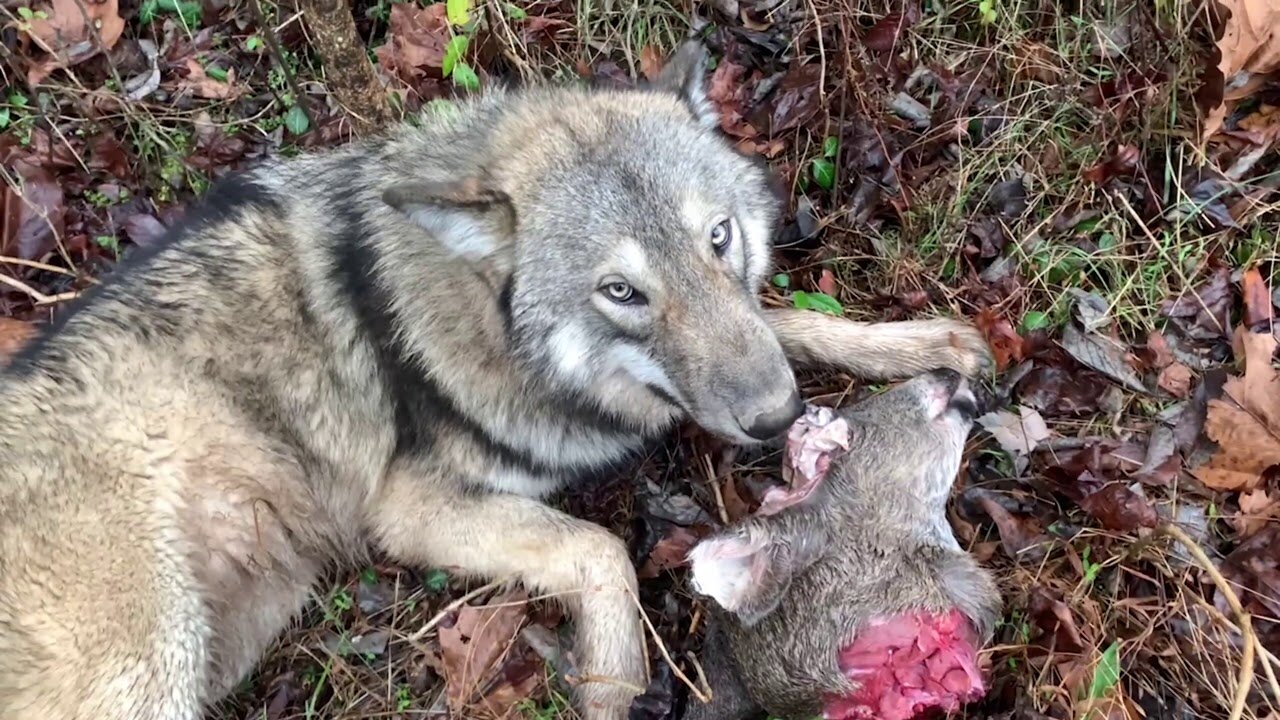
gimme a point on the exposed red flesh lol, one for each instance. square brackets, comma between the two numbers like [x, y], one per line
[907, 664]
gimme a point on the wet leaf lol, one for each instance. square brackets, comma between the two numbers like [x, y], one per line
[1119, 508]
[1257, 300]
[796, 98]
[1056, 391]
[1176, 380]
[1021, 536]
[669, 553]
[827, 282]
[1249, 46]
[33, 214]
[67, 31]
[1208, 305]
[1055, 619]
[480, 636]
[1006, 345]
[417, 39]
[1102, 354]
[885, 34]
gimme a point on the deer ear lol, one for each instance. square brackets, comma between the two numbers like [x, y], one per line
[469, 218]
[748, 570]
[685, 75]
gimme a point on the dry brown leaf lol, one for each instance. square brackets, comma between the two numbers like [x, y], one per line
[669, 553]
[1257, 298]
[14, 334]
[1250, 46]
[199, 83]
[1176, 380]
[416, 39]
[479, 638]
[1246, 448]
[1259, 390]
[1256, 508]
[651, 62]
[67, 33]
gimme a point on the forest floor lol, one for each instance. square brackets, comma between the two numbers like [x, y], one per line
[1093, 183]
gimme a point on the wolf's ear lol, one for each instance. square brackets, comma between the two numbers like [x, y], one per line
[685, 75]
[468, 217]
[748, 571]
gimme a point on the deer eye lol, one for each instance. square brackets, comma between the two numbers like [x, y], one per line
[722, 236]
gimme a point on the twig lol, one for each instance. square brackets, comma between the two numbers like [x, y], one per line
[702, 676]
[440, 616]
[39, 297]
[39, 266]
[715, 490]
[662, 649]
[1245, 678]
[273, 44]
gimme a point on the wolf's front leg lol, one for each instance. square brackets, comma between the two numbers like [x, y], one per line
[499, 535]
[880, 351]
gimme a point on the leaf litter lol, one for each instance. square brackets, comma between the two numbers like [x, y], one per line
[1115, 282]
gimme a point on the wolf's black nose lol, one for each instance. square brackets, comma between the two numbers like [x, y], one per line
[772, 423]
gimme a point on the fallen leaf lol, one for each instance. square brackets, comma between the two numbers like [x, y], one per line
[200, 84]
[735, 506]
[1256, 508]
[478, 639]
[1006, 344]
[1249, 47]
[883, 36]
[33, 214]
[1017, 434]
[108, 155]
[14, 334]
[1055, 620]
[1259, 390]
[1103, 354]
[1209, 305]
[1257, 300]
[669, 553]
[144, 229]
[1176, 380]
[796, 99]
[651, 62]
[1161, 355]
[1119, 508]
[1245, 449]
[1021, 537]
[827, 283]
[67, 33]
[1056, 391]
[417, 39]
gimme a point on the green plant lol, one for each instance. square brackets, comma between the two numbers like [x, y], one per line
[186, 10]
[821, 302]
[454, 67]
[1107, 673]
[823, 169]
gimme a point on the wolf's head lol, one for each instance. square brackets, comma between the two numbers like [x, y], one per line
[627, 240]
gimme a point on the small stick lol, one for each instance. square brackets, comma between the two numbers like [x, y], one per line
[662, 649]
[702, 676]
[715, 489]
[37, 265]
[39, 297]
[440, 616]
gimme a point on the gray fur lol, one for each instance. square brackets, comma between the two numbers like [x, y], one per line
[400, 343]
[878, 545]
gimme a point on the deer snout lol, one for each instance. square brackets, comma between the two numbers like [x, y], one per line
[771, 421]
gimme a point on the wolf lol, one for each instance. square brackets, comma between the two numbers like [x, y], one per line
[846, 594]
[405, 344]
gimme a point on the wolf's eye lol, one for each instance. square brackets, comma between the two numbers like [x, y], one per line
[621, 293]
[722, 236]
